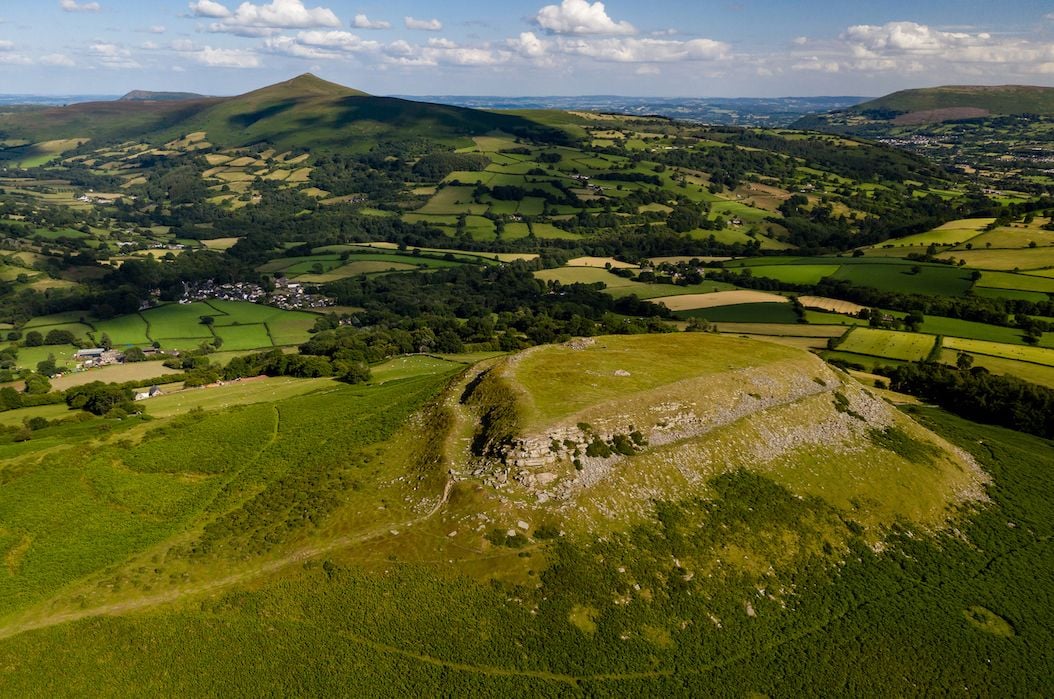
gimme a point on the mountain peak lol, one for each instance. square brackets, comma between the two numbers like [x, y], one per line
[310, 85]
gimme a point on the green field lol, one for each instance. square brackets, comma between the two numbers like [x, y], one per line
[1022, 282]
[931, 279]
[746, 313]
[795, 274]
[123, 330]
[1036, 355]
[1024, 258]
[888, 343]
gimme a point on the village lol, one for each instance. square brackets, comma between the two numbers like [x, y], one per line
[287, 294]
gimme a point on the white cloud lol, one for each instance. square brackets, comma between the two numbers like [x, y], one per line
[74, 6]
[264, 20]
[208, 8]
[157, 29]
[580, 17]
[320, 45]
[363, 22]
[112, 55]
[630, 50]
[425, 25]
[528, 45]
[910, 47]
[60, 60]
[227, 58]
[6, 45]
[14, 59]
[800, 40]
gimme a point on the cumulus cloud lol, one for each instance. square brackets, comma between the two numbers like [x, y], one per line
[910, 47]
[580, 17]
[58, 60]
[363, 22]
[264, 20]
[320, 45]
[226, 58]
[110, 55]
[424, 25]
[157, 29]
[74, 6]
[208, 8]
[6, 45]
[647, 50]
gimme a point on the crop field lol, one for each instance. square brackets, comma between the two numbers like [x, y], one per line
[951, 233]
[353, 269]
[601, 262]
[888, 343]
[1024, 353]
[178, 321]
[1025, 258]
[1027, 371]
[953, 327]
[795, 274]
[833, 305]
[799, 330]
[123, 330]
[745, 313]
[691, 302]
[1020, 282]
[1013, 237]
[931, 279]
[117, 373]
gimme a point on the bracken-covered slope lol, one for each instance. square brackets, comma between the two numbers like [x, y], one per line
[936, 104]
[305, 112]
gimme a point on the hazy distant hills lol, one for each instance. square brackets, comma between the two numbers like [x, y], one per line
[934, 105]
[147, 96]
[735, 111]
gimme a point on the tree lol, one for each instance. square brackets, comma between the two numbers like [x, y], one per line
[964, 361]
[207, 320]
[47, 367]
[33, 339]
[914, 320]
[134, 354]
[105, 342]
[37, 385]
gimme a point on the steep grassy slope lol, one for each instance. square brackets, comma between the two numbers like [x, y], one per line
[304, 112]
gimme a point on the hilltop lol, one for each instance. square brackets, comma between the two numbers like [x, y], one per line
[304, 112]
[432, 529]
[934, 105]
[148, 96]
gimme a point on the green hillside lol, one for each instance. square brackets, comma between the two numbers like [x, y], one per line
[305, 112]
[996, 99]
[308, 540]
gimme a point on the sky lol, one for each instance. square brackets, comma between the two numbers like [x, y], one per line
[647, 48]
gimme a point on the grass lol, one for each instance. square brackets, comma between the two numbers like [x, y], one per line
[1020, 282]
[651, 361]
[123, 330]
[1037, 355]
[1027, 371]
[1024, 258]
[888, 343]
[953, 327]
[746, 313]
[795, 274]
[937, 280]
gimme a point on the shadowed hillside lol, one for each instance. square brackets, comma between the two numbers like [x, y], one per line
[305, 112]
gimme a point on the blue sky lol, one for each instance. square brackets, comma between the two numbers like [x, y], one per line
[525, 47]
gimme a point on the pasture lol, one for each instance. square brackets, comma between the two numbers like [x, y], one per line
[891, 344]
[766, 312]
[1005, 260]
[1023, 353]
